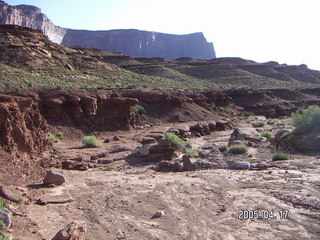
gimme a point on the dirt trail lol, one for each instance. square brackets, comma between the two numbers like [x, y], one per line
[119, 204]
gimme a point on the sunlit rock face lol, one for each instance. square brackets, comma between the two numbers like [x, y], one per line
[131, 42]
[31, 17]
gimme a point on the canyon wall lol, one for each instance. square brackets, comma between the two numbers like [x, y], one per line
[129, 42]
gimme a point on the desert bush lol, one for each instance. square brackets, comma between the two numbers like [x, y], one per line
[272, 121]
[309, 116]
[5, 237]
[280, 156]
[260, 124]
[238, 149]
[139, 109]
[53, 138]
[191, 152]
[266, 134]
[2, 205]
[174, 139]
[90, 142]
[2, 226]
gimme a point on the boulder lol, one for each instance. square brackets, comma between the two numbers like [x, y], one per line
[165, 166]
[161, 149]
[5, 217]
[76, 230]
[237, 135]
[10, 193]
[187, 164]
[55, 177]
[240, 166]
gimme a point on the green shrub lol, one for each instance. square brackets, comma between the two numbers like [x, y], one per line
[174, 139]
[260, 124]
[90, 142]
[238, 149]
[272, 121]
[53, 138]
[280, 156]
[2, 226]
[2, 205]
[5, 237]
[266, 134]
[191, 152]
[139, 109]
[309, 116]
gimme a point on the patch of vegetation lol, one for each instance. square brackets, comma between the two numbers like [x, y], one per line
[199, 159]
[174, 139]
[272, 121]
[53, 138]
[2, 205]
[266, 134]
[307, 117]
[191, 152]
[90, 142]
[61, 155]
[139, 109]
[260, 124]
[5, 237]
[280, 156]
[238, 149]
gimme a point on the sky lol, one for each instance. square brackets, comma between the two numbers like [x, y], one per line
[286, 31]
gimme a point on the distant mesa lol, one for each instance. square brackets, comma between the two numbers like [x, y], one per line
[130, 42]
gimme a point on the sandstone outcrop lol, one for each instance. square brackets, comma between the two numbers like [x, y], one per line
[22, 127]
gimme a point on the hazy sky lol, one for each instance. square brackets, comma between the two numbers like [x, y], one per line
[286, 31]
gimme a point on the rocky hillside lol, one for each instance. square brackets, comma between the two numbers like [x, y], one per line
[129, 42]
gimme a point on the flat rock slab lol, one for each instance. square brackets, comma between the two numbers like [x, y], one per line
[10, 193]
[56, 199]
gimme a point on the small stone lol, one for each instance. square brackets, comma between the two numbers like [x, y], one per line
[116, 138]
[107, 140]
[158, 214]
[147, 140]
[143, 150]
[240, 166]
[55, 177]
[10, 193]
[104, 161]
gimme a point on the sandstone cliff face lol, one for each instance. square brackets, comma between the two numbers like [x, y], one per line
[129, 42]
[143, 43]
[30, 16]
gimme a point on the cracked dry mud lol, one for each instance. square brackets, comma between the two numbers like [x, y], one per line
[204, 204]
